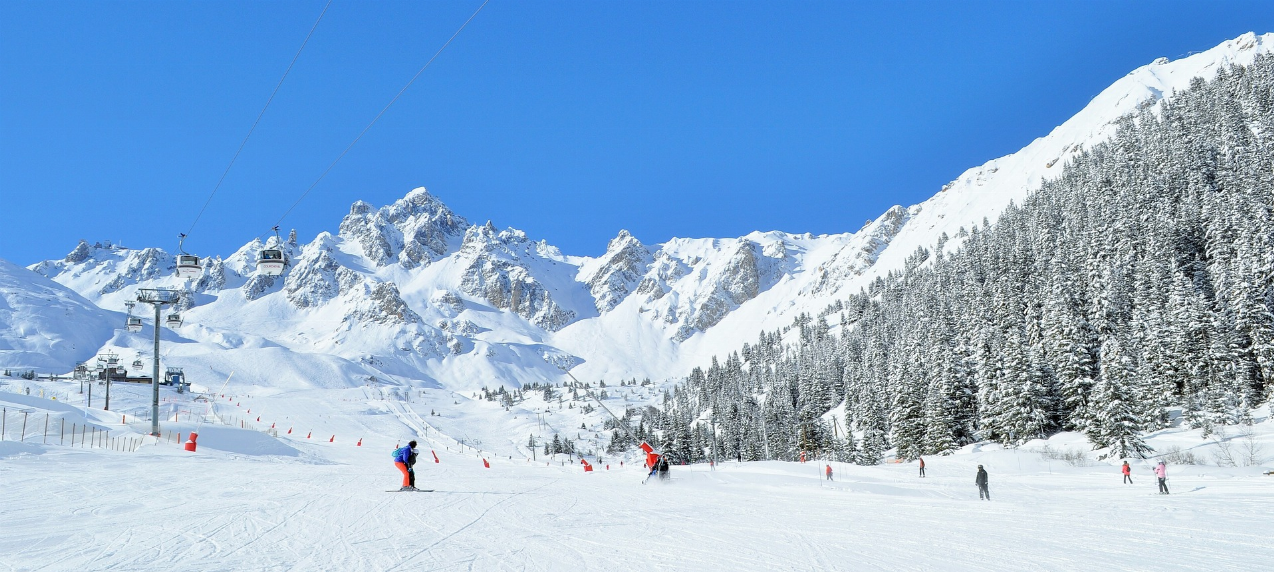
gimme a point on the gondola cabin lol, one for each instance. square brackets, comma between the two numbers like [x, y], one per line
[174, 320]
[271, 262]
[134, 324]
[188, 266]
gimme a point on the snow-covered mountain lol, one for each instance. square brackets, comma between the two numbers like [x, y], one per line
[412, 290]
[46, 325]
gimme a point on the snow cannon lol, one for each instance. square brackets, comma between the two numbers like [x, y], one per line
[651, 456]
[588, 468]
[190, 445]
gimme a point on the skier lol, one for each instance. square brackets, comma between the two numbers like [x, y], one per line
[829, 472]
[1127, 473]
[1161, 471]
[922, 467]
[652, 461]
[981, 481]
[663, 468]
[402, 458]
[411, 467]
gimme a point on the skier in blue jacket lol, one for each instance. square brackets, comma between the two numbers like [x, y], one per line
[403, 461]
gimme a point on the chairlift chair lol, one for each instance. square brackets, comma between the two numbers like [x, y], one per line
[174, 320]
[134, 324]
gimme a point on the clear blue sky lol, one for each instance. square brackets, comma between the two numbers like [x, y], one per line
[569, 120]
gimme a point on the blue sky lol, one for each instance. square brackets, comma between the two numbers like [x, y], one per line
[569, 120]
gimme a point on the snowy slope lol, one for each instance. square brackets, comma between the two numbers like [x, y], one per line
[45, 325]
[247, 500]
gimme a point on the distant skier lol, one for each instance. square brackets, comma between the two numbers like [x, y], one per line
[1127, 473]
[1161, 471]
[402, 459]
[922, 467]
[829, 472]
[981, 481]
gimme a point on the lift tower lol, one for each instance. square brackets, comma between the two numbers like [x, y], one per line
[157, 297]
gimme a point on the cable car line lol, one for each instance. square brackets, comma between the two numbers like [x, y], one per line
[378, 115]
[251, 130]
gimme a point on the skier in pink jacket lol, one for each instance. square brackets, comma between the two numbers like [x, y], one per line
[1161, 471]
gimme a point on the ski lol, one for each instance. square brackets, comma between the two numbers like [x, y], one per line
[411, 491]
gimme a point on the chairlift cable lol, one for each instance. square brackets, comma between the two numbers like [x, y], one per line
[378, 115]
[252, 129]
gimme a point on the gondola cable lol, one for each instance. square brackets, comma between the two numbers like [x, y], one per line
[378, 115]
[253, 129]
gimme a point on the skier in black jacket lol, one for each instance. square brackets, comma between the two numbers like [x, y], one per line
[981, 481]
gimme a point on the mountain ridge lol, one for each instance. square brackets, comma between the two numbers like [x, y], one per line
[466, 304]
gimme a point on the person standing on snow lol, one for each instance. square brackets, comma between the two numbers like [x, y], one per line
[829, 472]
[1127, 473]
[922, 467]
[411, 467]
[1161, 471]
[981, 481]
[402, 460]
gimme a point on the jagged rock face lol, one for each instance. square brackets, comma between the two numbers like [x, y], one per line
[448, 303]
[258, 285]
[742, 280]
[749, 271]
[861, 254]
[460, 327]
[80, 254]
[494, 274]
[739, 282]
[140, 265]
[213, 278]
[510, 287]
[664, 270]
[623, 266]
[415, 230]
[381, 303]
[314, 280]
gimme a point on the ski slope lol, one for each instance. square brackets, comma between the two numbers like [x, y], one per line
[247, 500]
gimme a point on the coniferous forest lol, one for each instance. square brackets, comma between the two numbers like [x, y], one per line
[1135, 287]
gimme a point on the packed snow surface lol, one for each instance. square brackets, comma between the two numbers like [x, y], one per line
[247, 500]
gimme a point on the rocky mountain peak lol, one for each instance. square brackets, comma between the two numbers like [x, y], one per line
[618, 271]
[416, 229]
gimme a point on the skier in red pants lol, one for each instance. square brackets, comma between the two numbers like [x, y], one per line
[402, 460]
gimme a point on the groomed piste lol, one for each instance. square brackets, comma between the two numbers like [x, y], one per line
[253, 498]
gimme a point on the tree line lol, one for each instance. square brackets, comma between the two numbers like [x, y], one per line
[1135, 287]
